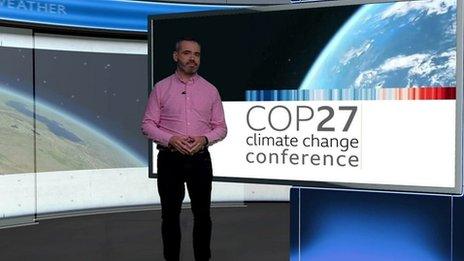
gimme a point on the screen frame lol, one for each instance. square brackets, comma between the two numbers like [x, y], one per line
[458, 188]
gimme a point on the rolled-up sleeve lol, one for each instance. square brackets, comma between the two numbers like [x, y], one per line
[218, 122]
[151, 120]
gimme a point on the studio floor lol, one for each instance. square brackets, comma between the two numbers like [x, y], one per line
[252, 231]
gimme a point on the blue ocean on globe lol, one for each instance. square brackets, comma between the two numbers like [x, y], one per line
[390, 45]
[61, 141]
[54, 126]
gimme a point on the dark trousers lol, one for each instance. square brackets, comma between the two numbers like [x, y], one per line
[175, 169]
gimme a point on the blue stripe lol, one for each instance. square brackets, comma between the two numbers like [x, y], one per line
[94, 14]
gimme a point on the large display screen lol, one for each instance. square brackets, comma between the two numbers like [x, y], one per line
[87, 104]
[70, 111]
[334, 94]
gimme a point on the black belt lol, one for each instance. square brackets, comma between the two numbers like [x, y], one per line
[164, 148]
[169, 149]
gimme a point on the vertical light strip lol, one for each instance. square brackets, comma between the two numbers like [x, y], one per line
[34, 126]
[299, 224]
[452, 226]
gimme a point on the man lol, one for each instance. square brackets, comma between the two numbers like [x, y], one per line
[184, 115]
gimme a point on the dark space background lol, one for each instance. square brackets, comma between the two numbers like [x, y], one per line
[248, 51]
[108, 90]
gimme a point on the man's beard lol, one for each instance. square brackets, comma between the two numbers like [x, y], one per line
[187, 69]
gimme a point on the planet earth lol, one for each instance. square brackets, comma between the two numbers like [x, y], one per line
[63, 142]
[390, 45]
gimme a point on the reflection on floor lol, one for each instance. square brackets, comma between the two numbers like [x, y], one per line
[257, 231]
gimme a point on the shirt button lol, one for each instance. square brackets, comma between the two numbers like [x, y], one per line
[188, 123]
[188, 98]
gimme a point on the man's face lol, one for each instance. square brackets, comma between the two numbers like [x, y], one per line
[188, 57]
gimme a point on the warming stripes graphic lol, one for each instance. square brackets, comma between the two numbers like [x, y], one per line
[412, 93]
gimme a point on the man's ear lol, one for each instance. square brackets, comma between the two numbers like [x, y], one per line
[174, 56]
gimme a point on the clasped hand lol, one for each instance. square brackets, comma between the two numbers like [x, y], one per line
[187, 145]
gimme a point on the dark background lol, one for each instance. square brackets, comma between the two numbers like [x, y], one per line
[105, 89]
[265, 51]
[16, 70]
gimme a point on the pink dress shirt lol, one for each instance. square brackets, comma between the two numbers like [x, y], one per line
[192, 108]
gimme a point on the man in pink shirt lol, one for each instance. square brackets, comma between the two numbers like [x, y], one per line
[184, 115]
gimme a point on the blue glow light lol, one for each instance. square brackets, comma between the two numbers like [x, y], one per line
[94, 14]
[356, 239]
[374, 227]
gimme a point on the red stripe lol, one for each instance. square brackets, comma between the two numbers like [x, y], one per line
[432, 93]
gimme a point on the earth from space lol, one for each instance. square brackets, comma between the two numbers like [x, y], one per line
[390, 45]
[63, 142]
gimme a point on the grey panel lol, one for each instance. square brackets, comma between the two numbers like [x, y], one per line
[17, 128]
[234, 2]
[258, 2]
[196, 2]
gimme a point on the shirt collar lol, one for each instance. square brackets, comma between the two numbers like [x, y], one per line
[193, 78]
